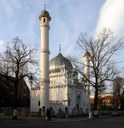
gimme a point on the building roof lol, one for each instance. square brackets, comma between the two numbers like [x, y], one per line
[58, 61]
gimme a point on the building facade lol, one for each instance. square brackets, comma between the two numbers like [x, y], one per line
[59, 89]
[66, 92]
[7, 93]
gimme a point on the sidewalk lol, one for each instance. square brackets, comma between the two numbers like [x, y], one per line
[69, 119]
[74, 119]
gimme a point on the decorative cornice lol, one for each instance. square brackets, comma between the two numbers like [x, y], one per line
[45, 50]
[45, 25]
[58, 86]
[44, 80]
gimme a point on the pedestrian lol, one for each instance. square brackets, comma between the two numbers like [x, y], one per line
[48, 114]
[96, 114]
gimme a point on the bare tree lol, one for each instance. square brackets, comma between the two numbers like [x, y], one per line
[118, 90]
[102, 49]
[15, 64]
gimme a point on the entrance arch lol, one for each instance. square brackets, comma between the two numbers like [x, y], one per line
[78, 101]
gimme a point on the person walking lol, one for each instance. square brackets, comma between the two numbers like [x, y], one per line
[48, 114]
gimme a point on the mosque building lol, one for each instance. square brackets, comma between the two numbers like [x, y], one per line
[60, 88]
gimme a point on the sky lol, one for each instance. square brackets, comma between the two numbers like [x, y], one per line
[69, 19]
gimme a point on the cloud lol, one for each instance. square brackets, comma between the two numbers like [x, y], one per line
[2, 45]
[112, 16]
[68, 20]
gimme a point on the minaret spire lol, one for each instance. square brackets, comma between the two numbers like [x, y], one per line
[44, 7]
[59, 48]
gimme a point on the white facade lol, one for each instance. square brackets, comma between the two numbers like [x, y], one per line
[44, 83]
[63, 93]
[34, 99]
[60, 88]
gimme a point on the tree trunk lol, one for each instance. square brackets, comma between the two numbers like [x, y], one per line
[96, 99]
[16, 97]
[15, 111]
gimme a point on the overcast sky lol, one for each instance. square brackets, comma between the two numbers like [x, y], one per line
[69, 19]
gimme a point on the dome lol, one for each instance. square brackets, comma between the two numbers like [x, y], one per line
[45, 13]
[58, 61]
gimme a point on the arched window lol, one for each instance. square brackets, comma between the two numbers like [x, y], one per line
[44, 20]
[78, 101]
[38, 103]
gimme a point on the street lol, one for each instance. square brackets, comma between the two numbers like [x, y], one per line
[104, 122]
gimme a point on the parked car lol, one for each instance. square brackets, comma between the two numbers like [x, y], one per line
[115, 113]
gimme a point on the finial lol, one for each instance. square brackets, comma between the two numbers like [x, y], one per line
[44, 7]
[59, 48]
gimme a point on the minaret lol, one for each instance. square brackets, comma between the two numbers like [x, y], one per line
[87, 75]
[44, 58]
[87, 71]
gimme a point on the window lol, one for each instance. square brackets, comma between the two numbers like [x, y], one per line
[44, 20]
[38, 103]
[69, 102]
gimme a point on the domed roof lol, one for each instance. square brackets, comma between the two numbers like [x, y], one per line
[58, 61]
[45, 13]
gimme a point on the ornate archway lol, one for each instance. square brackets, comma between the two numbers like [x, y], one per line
[78, 101]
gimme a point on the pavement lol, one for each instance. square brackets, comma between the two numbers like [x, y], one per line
[73, 119]
[69, 119]
[32, 122]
